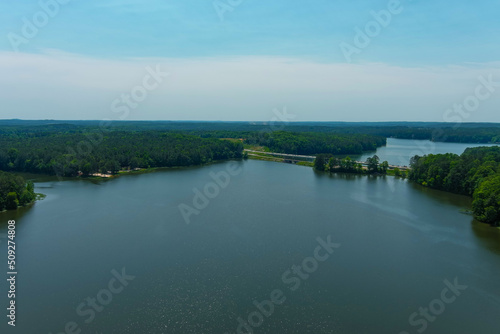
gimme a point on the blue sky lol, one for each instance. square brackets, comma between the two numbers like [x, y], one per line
[450, 43]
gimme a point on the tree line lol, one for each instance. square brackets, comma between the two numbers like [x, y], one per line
[332, 164]
[15, 191]
[69, 152]
[475, 173]
[305, 143]
[443, 132]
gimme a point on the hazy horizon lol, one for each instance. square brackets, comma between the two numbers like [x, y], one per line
[232, 121]
[238, 61]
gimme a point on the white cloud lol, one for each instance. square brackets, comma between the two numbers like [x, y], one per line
[66, 86]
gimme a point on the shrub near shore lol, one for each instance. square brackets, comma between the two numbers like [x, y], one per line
[15, 191]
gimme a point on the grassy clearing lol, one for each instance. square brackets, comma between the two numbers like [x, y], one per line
[257, 148]
[305, 163]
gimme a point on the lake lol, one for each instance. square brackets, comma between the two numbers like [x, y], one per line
[399, 151]
[272, 248]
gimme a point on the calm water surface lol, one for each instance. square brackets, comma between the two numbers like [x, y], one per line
[398, 243]
[399, 151]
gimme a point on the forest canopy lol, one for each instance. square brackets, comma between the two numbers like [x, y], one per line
[475, 173]
[305, 143]
[70, 150]
[67, 153]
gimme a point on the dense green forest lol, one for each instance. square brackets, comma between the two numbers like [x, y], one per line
[439, 132]
[444, 132]
[15, 191]
[313, 143]
[475, 173]
[66, 152]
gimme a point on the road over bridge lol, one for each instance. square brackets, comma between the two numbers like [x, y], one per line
[312, 157]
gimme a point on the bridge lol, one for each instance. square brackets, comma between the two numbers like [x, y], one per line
[291, 158]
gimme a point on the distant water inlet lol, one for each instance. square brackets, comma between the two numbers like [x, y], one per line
[400, 151]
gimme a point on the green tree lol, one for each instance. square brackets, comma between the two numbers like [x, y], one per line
[373, 164]
[13, 153]
[333, 164]
[347, 165]
[475, 173]
[486, 203]
[383, 167]
[26, 197]
[112, 166]
[11, 202]
[320, 162]
[86, 169]
[28, 194]
[359, 168]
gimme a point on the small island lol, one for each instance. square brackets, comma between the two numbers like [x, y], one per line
[332, 164]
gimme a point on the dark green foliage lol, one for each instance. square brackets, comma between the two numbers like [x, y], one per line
[11, 201]
[444, 132]
[373, 164]
[14, 191]
[325, 162]
[346, 165]
[486, 204]
[383, 167]
[68, 150]
[71, 151]
[320, 162]
[475, 173]
[333, 163]
[306, 143]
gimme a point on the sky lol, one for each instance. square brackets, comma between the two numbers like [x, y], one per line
[240, 60]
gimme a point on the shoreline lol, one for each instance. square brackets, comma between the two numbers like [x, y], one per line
[263, 157]
[93, 177]
[38, 197]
